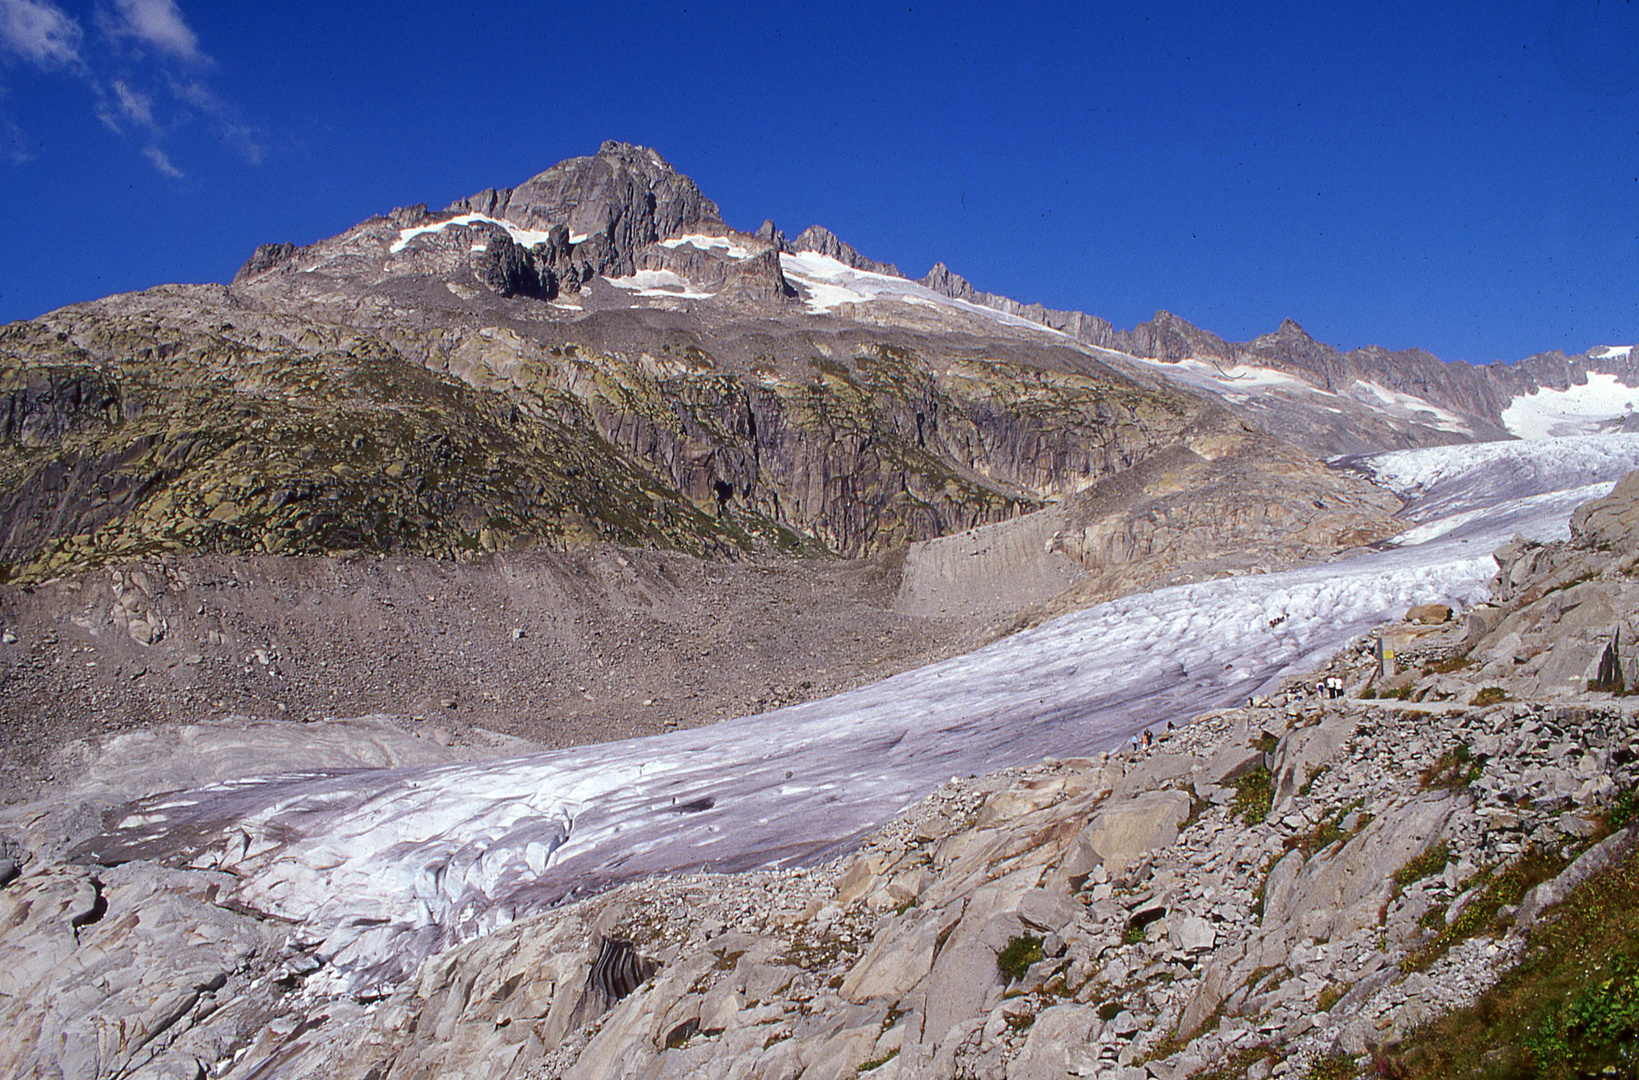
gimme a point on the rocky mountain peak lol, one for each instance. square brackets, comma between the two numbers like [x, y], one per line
[822, 241]
[770, 233]
[942, 279]
[627, 195]
[1168, 337]
[1292, 341]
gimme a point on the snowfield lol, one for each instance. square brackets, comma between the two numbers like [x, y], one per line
[658, 283]
[828, 282]
[709, 243]
[524, 237]
[1237, 383]
[387, 866]
[1241, 383]
[1408, 406]
[1579, 410]
[1442, 482]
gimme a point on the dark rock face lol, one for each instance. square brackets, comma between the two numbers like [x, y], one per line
[622, 198]
[1167, 337]
[755, 280]
[769, 234]
[212, 432]
[822, 241]
[507, 268]
[878, 452]
[263, 259]
[42, 406]
[74, 494]
[618, 970]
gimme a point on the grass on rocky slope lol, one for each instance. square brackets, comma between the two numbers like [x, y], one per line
[175, 421]
[1569, 1010]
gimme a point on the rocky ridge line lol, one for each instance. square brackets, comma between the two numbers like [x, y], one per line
[1480, 390]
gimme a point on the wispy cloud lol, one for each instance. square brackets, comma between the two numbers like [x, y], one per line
[13, 146]
[41, 32]
[157, 156]
[223, 116]
[160, 24]
[145, 69]
[133, 105]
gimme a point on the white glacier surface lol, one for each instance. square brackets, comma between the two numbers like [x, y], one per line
[1574, 411]
[387, 866]
[830, 282]
[1443, 482]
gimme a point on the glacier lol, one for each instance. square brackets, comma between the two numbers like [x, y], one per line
[381, 868]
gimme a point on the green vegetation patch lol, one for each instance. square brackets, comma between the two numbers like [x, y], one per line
[877, 1063]
[1254, 795]
[1569, 1010]
[1017, 955]
[1239, 1061]
[1331, 828]
[1425, 865]
[1455, 769]
[1333, 1067]
[1503, 888]
[1489, 695]
[1622, 810]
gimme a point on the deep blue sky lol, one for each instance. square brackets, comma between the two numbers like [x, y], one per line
[1461, 177]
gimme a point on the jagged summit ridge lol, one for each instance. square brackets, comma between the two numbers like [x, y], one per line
[822, 241]
[627, 195]
[622, 229]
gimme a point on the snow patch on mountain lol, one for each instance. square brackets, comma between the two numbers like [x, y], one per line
[658, 283]
[1408, 406]
[829, 283]
[709, 243]
[524, 237]
[1577, 410]
[1611, 352]
[1236, 382]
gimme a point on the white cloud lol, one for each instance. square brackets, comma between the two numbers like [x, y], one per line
[143, 69]
[197, 94]
[40, 31]
[136, 105]
[159, 23]
[160, 161]
[14, 143]
[246, 138]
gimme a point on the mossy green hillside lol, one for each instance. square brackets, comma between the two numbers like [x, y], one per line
[146, 424]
